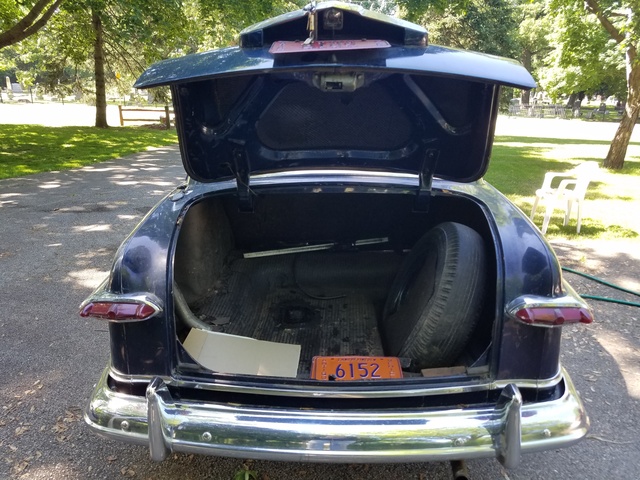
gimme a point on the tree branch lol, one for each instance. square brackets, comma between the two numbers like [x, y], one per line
[122, 52]
[116, 52]
[43, 19]
[28, 25]
[593, 7]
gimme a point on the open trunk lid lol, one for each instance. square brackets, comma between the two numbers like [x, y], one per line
[314, 89]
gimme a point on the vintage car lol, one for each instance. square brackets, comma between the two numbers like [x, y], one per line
[334, 281]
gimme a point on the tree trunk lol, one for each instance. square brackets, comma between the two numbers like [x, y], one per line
[572, 99]
[98, 58]
[525, 95]
[618, 149]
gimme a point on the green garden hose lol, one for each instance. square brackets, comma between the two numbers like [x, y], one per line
[608, 284]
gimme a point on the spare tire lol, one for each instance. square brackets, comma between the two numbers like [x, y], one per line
[435, 300]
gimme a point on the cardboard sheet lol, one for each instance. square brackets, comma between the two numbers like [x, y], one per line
[226, 353]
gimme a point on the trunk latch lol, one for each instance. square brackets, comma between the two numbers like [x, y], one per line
[242, 170]
[426, 177]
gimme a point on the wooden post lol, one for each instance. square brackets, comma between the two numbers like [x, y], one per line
[167, 117]
[121, 118]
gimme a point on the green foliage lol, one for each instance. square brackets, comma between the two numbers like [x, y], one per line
[10, 12]
[245, 474]
[534, 26]
[136, 33]
[487, 26]
[584, 57]
[224, 19]
[28, 149]
[415, 10]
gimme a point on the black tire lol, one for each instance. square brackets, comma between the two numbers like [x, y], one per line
[435, 300]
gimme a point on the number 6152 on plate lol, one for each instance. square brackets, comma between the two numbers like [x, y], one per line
[355, 368]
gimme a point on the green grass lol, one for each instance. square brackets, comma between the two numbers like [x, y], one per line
[518, 165]
[28, 149]
[612, 205]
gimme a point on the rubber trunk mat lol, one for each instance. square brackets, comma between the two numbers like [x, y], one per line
[327, 303]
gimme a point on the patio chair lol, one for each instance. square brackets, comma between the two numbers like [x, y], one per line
[571, 190]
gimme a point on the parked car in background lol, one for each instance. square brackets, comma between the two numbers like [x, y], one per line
[335, 281]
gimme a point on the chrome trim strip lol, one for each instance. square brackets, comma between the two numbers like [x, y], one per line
[335, 176]
[289, 434]
[524, 383]
[343, 391]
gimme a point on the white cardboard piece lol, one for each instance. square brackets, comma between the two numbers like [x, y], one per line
[227, 353]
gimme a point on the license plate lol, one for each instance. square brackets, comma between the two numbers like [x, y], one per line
[355, 368]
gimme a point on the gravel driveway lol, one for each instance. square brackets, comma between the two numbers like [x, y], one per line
[59, 233]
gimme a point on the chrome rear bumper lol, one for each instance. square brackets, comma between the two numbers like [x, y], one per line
[504, 430]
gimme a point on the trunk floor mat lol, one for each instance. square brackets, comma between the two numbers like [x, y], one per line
[326, 303]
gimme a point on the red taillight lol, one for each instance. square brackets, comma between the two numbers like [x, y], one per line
[554, 316]
[123, 311]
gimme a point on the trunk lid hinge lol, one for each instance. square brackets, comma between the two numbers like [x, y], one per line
[242, 171]
[425, 176]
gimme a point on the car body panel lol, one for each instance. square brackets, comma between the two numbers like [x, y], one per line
[147, 347]
[434, 59]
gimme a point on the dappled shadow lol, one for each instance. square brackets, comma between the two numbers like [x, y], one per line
[518, 158]
[57, 244]
[553, 141]
[589, 229]
[604, 361]
[26, 148]
[618, 263]
[60, 233]
[506, 168]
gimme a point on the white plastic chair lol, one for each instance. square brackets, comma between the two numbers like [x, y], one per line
[571, 191]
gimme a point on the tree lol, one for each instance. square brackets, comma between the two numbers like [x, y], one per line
[534, 26]
[122, 36]
[18, 24]
[618, 19]
[487, 26]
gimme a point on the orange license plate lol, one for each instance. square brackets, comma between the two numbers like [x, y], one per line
[355, 368]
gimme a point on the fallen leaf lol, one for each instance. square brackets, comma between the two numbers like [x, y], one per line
[19, 468]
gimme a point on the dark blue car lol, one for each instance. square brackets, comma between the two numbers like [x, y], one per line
[334, 281]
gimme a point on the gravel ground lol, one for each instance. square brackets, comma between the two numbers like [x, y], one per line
[59, 233]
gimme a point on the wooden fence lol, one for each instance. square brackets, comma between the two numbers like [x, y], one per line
[146, 114]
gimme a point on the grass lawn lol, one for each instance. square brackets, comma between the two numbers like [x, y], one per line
[612, 204]
[518, 165]
[28, 149]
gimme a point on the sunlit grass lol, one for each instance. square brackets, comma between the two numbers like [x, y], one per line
[612, 204]
[518, 165]
[28, 149]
